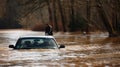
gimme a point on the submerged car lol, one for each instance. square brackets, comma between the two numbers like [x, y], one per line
[36, 42]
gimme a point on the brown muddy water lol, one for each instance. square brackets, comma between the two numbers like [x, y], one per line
[94, 50]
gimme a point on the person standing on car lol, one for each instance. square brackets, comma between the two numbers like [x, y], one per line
[48, 30]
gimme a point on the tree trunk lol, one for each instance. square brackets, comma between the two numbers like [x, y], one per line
[50, 12]
[88, 16]
[72, 12]
[115, 13]
[72, 16]
[103, 16]
[62, 15]
[55, 17]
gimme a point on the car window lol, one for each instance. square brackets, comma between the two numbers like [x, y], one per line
[46, 43]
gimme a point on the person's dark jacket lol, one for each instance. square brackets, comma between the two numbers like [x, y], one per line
[48, 30]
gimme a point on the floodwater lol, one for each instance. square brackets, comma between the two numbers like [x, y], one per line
[93, 50]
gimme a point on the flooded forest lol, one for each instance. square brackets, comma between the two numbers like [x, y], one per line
[89, 29]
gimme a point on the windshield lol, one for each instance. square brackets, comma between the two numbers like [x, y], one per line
[45, 43]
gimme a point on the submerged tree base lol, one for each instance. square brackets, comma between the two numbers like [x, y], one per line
[114, 35]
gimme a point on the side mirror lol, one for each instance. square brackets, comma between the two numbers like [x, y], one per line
[62, 46]
[11, 46]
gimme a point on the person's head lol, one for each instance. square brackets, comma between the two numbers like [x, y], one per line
[36, 41]
[27, 42]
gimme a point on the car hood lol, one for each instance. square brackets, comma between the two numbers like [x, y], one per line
[34, 54]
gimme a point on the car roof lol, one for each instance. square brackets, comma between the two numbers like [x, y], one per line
[37, 37]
